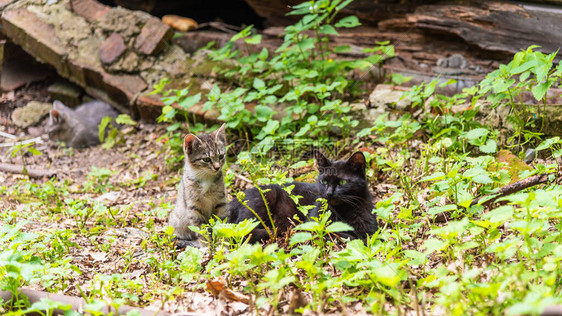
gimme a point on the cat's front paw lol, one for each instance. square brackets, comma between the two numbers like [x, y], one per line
[182, 243]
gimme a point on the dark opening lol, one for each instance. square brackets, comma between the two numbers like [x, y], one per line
[234, 12]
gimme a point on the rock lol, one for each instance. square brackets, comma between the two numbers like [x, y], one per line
[153, 37]
[456, 61]
[65, 92]
[111, 49]
[386, 96]
[128, 63]
[180, 23]
[113, 54]
[31, 114]
[530, 155]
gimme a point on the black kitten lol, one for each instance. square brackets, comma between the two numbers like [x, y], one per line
[342, 183]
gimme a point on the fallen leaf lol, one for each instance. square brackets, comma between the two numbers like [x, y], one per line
[216, 285]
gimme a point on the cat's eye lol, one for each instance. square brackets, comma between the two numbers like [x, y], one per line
[221, 157]
[207, 159]
[342, 182]
[324, 181]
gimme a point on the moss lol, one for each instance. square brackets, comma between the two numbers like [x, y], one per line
[512, 164]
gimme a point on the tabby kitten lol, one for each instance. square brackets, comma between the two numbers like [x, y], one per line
[78, 127]
[342, 183]
[201, 191]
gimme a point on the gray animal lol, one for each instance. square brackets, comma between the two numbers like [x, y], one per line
[78, 127]
[201, 191]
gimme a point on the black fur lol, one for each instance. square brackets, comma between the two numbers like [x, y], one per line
[342, 183]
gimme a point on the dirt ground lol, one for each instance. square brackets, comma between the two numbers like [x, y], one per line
[105, 253]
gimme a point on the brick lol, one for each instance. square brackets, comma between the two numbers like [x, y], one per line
[153, 37]
[149, 107]
[36, 37]
[123, 88]
[91, 10]
[111, 49]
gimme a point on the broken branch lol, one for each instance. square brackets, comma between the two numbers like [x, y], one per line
[32, 173]
[512, 188]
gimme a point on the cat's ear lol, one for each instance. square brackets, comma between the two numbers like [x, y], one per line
[59, 106]
[321, 160]
[189, 143]
[55, 117]
[357, 160]
[220, 134]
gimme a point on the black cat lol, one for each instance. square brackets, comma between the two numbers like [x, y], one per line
[342, 183]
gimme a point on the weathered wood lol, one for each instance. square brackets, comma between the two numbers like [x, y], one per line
[494, 26]
[368, 11]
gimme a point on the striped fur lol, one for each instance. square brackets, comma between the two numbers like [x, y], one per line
[201, 192]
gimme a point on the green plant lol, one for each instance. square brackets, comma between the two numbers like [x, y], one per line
[22, 148]
[108, 131]
[529, 71]
[98, 180]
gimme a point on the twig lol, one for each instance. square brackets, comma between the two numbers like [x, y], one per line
[33, 173]
[37, 140]
[241, 177]
[10, 136]
[512, 188]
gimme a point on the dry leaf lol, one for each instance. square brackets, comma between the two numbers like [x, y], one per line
[216, 285]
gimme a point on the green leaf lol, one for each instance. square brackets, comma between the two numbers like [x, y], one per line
[125, 119]
[270, 127]
[490, 147]
[540, 90]
[434, 177]
[101, 128]
[417, 257]
[547, 143]
[34, 151]
[476, 133]
[430, 245]
[300, 237]
[342, 49]
[256, 39]
[258, 84]
[190, 101]
[441, 209]
[263, 113]
[348, 22]
[386, 275]
[338, 227]
[328, 30]
[500, 215]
